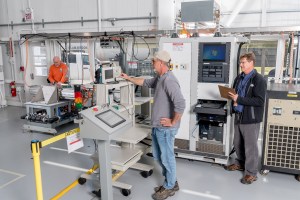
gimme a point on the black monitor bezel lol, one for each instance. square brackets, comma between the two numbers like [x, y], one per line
[105, 122]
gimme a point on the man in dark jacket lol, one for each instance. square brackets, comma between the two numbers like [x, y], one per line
[248, 106]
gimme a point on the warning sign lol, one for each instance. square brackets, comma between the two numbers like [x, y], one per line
[74, 142]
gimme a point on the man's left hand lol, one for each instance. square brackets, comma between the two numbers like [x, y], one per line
[166, 122]
[234, 97]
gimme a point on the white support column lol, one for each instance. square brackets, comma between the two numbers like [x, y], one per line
[91, 52]
[99, 15]
[2, 83]
[263, 13]
[166, 14]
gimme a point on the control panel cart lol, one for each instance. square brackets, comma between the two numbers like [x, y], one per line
[105, 124]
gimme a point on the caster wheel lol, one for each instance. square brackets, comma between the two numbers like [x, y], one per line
[150, 172]
[126, 192]
[149, 154]
[97, 193]
[81, 181]
[298, 178]
[191, 160]
[146, 174]
[264, 172]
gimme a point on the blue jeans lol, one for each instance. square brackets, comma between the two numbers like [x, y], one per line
[163, 151]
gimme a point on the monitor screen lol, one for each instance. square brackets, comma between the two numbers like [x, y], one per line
[110, 118]
[109, 73]
[214, 52]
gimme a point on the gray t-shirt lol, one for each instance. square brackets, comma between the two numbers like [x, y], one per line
[167, 98]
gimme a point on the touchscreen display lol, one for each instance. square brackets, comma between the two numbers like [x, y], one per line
[214, 52]
[110, 118]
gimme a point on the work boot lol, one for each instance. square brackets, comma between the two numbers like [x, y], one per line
[163, 193]
[248, 179]
[175, 188]
[234, 167]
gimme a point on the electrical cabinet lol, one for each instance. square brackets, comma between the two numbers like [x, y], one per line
[281, 146]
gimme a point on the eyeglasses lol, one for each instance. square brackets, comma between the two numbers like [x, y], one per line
[244, 62]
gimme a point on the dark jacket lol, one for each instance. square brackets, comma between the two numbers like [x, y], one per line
[254, 99]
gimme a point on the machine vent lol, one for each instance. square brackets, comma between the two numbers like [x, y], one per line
[283, 147]
[182, 144]
[210, 147]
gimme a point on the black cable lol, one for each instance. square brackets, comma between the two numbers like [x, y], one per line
[134, 43]
[61, 45]
[119, 43]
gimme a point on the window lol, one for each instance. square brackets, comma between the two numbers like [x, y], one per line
[72, 58]
[265, 53]
[85, 60]
[39, 60]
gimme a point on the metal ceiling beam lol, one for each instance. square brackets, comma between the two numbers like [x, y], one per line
[270, 29]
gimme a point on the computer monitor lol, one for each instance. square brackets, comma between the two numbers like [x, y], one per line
[110, 118]
[214, 62]
[108, 75]
[214, 52]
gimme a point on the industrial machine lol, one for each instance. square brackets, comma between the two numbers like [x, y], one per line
[200, 65]
[281, 145]
[45, 111]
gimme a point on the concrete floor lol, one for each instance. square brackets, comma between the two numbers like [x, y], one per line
[197, 180]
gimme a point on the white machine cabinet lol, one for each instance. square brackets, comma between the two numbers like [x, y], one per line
[200, 65]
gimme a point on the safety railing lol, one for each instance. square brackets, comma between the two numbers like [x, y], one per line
[35, 149]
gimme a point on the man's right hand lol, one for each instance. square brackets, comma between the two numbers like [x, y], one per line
[125, 76]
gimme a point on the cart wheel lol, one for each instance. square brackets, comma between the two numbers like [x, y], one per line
[298, 178]
[146, 174]
[264, 172]
[150, 172]
[149, 154]
[81, 181]
[126, 192]
[97, 193]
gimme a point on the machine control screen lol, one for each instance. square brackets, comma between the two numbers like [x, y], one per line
[109, 73]
[214, 52]
[110, 118]
[214, 62]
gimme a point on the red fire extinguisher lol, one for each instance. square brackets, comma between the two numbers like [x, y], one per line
[13, 89]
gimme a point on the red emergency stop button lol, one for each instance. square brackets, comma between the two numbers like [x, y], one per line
[95, 109]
